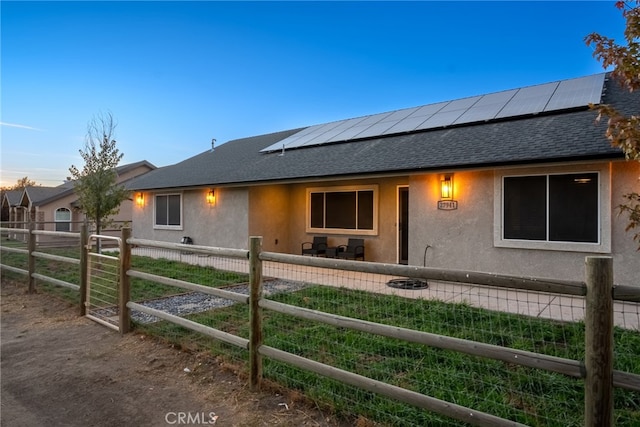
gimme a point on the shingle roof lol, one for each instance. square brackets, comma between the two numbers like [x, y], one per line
[39, 195]
[12, 197]
[554, 137]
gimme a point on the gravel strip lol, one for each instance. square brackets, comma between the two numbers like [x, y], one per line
[196, 302]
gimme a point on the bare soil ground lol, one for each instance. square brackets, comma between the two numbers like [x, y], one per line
[60, 369]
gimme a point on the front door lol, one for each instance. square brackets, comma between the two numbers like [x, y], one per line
[403, 225]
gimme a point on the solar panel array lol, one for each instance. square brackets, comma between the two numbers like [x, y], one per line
[554, 96]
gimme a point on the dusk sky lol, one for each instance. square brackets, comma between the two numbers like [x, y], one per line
[177, 74]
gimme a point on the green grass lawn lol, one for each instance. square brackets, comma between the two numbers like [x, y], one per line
[530, 396]
[527, 395]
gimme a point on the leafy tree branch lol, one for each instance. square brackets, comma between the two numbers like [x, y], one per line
[96, 185]
[623, 131]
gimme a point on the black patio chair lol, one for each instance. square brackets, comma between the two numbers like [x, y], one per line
[354, 249]
[316, 248]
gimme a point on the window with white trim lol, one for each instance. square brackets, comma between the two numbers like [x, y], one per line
[168, 211]
[63, 219]
[552, 207]
[350, 210]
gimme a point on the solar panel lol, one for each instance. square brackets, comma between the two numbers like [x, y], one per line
[448, 114]
[576, 92]
[554, 96]
[415, 119]
[341, 127]
[487, 107]
[528, 100]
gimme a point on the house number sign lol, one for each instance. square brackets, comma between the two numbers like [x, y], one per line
[447, 205]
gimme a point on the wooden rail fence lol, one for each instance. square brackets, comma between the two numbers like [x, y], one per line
[597, 288]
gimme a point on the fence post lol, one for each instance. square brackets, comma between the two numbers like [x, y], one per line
[255, 331]
[84, 268]
[31, 260]
[598, 320]
[125, 282]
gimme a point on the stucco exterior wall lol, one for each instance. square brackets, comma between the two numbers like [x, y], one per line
[280, 213]
[626, 262]
[131, 173]
[48, 211]
[464, 238]
[269, 211]
[223, 224]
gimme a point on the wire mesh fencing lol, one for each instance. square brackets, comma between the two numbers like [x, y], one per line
[208, 288]
[47, 257]
[536, 322]
[182, 267]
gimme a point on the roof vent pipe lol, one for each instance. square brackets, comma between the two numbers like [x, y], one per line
[213, 144]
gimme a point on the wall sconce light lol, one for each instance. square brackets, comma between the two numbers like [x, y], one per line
[446, 187]
[140, 199]
[211, 197]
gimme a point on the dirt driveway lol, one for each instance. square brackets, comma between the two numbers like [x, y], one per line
[59, 369]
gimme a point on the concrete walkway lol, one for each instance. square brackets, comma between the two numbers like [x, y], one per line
[536, 304]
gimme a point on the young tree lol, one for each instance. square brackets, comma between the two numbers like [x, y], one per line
[96, 184]
[623, 131]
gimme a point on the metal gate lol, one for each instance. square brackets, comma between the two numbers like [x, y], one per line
[103, 282]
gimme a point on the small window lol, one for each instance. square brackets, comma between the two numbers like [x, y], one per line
[343, 210]
[63, 219]
[168, 210]
[552, 208]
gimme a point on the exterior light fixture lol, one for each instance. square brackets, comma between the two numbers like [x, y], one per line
[140, 199]
[211, 197]
[446, 202]
[446, 187]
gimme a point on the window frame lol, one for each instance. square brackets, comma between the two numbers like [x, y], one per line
[155, 206]
[346, 189]
[604, 209]
[58, 221]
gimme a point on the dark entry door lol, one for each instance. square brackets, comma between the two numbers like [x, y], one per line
[403, 225]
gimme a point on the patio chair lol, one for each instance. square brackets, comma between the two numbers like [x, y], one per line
[316, 248]
[354, 249]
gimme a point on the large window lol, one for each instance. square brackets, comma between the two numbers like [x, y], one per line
[63, 219]
[168, 211]
[343, 210]
[552, 208]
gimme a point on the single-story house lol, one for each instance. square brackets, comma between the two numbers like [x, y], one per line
[518, 182]
[56, 208]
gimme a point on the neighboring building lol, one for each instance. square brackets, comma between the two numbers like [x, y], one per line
[10, 199]
[516, 182]
[56, 208]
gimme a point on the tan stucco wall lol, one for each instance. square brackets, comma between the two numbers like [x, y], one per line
[625, 179]
[133, 172]
[224, 224]
[464, 238]
[269, 212]
[47, 211]
[278, 213]
[458, 239]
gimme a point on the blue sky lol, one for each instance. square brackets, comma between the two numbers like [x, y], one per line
[177, 74]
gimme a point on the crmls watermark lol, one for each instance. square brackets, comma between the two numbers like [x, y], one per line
[191, 418]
